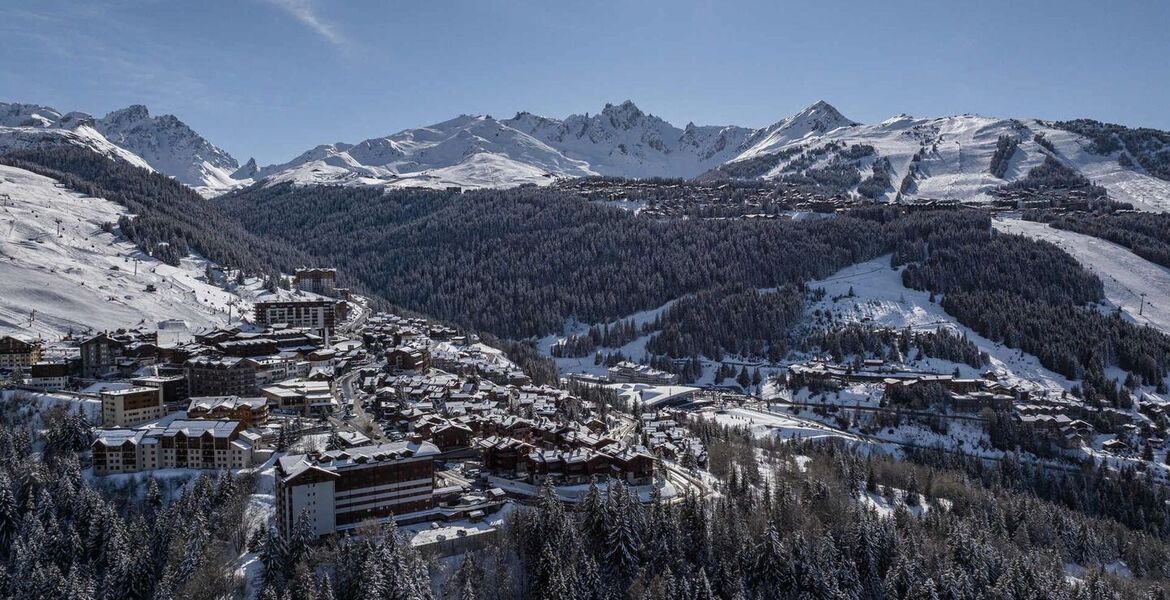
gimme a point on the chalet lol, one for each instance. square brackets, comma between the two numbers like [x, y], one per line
[252, 412]
[301, 395]
[353, 439]
[634, 464]
[451, 435]
[505, 455]
[258, 346]
[1115, 446]
[407, 359]
[508, 426]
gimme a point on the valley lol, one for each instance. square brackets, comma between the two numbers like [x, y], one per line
[814, 323]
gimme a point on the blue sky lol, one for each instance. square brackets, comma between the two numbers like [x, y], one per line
[272, 78]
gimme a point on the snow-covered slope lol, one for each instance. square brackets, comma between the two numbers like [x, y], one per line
[473, 151]
[24, 126]
[171, 147]
[1132, 283]
[60, 271]
[946, 157]
[879, 299]
[162, 143]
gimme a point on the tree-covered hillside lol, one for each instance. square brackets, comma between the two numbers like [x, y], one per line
[520, 262]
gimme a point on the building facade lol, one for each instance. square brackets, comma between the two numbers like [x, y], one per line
[48, 377]
[316, 281]
[252, 412]
[17, 354]
[131, 406]
[319, 316]
[301, 395]
[339, 489]
[223, 376]
[628, 372]
[99, 354]
[174, 388]
[220, 445]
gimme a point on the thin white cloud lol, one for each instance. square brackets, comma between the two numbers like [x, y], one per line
[305, 12]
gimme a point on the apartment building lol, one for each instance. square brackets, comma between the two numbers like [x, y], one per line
[220, 376]
[342, 488]
[131, 406]
[316, 281]
[319, 316]
[251, 412]
[219, 445]
[16, 353]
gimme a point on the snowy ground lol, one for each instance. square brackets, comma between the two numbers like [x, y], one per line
[881, 300]
[1126, 275]
[1124, 185]
[885, 508]
[771, 424]
[83, 277]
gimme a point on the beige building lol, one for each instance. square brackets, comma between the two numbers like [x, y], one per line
[17, 354]
[219, 445]
[131, 406]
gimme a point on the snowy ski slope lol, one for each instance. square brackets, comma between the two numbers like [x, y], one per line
[60, 272]
[1126, 275]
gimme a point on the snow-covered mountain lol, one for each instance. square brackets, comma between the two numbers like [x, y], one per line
[623, 141]
[170, 146]
[473, 151]
[931, 157]
[937, 157]
[479, 151]
[162, 143]
[24, 126]
[944, 157]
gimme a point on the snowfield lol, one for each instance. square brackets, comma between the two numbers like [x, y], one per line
[1126, 275]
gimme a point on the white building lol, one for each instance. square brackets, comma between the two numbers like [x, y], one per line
[219, 445]
[340, 489]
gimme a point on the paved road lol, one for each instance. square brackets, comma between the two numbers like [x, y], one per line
[353, 399]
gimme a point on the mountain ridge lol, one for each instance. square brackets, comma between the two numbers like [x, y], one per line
[162, 143]
[920, 157]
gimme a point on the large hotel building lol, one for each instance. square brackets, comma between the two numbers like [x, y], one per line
[220, 445]
[341, 488]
